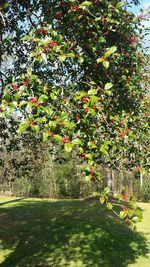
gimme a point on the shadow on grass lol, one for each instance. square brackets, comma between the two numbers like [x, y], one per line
[11, 201]
[66, 233]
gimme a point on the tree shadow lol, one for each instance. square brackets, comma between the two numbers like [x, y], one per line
[11, 201]
[66, 233]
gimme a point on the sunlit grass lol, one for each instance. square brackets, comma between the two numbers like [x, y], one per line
[69, 233]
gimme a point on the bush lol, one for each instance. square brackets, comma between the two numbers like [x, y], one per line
[142, 194]
[21, 187]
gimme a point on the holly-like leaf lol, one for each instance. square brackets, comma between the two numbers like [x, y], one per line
[68, 147]
[119, 4]
[103, 150]
[62, 57]
[110, 51]
[109, 206]
[35, 128]
[102, 199]
[22, 127]
[108, 86]
[96, 194]
[86, 3]
[106, 64]
[123, 214]
[76, 141]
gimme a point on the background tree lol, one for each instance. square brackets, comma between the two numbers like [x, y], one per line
[84, 86]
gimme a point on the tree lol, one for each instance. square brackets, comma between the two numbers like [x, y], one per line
[83, 88]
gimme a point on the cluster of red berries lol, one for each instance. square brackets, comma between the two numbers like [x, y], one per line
[14, 87]
[42, 31]
[92, 171]
[54, 118]
[65, 140]
[26, 83]
[51, 134]
[33, 100]
[124, 197]
[75, 8]
[124, 208]
[58, 15]
[52, 44]
[84, 99]
[78, 117]
[86, 110]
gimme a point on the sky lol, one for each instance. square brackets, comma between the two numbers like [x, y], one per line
[145, 5]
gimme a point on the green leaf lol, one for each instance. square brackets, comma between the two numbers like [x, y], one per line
[22, 127]
[69, 124]
[102, 199]
[109, 206]
[135, 219]
[119, 4]
[123, 214]
[105, 64]
[45, 136]
[99, 59]
[106, 190]
[81, 60]
[103, 150]
[86, 3]
[133, 204]
[53, 96]
[91, 144]
[68, 147]
[6, 96]
[96, 194]
[72, 55]
[58, 137]
[76, 141]
[62, 57]
[35, 128]
[110, 51]
[108, 86]
[92, 92]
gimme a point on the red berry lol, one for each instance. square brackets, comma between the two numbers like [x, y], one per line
[78, 117]
[46, 48]
[26, 83]
[51, 134]
[84, 99]
[75, 8]
[92, 171]
[124, 208]
[58, 15]
[126, 219]
[14, 87]
[65, 140]
[124, 197]
[53, 43]
[54, 118]
[86, 110]
[33, 100]
[42, 31]
[121, 135]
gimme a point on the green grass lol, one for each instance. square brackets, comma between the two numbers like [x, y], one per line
[69, 233]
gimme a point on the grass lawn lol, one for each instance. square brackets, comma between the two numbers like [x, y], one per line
[69, 233]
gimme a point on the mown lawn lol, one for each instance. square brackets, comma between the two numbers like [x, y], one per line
[69, 233]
